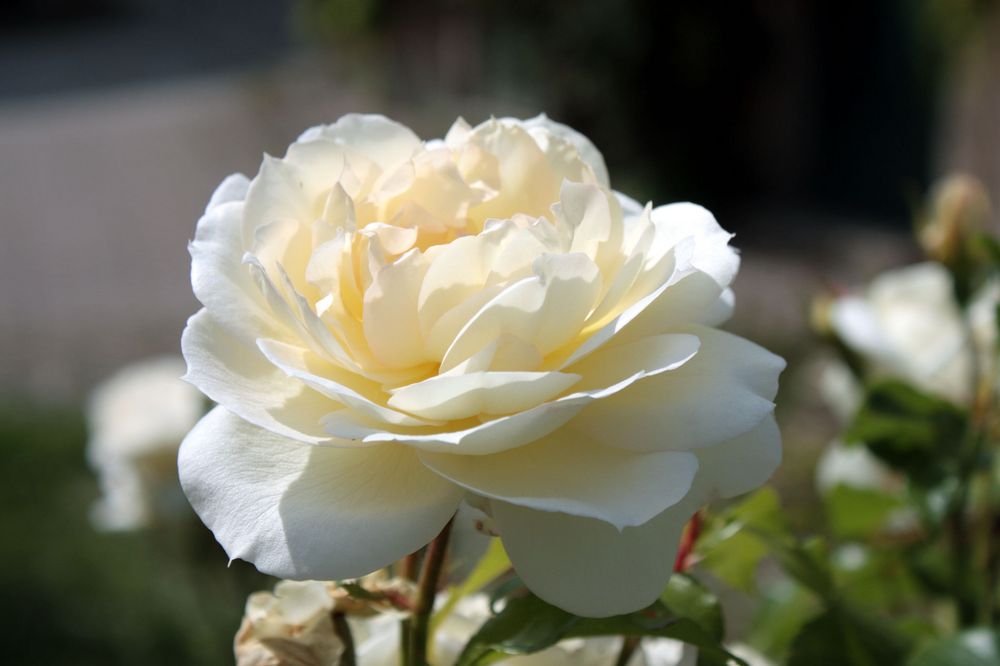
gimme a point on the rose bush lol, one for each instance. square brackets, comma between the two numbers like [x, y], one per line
[390, 325]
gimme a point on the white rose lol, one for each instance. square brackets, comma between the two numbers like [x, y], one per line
[377, 643]
[909, 325]
[390, 324]
[290, 626]
[137, 419]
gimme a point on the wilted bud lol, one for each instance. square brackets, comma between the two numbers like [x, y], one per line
[958, 209]
[375, 593]
[293, 626]
[290, 627]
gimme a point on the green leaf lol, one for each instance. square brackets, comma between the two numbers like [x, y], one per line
[658, 622]
[527, 624]
[491, 565]
[786, 606]
[358, 592]
[858, 512]
[842, 637]
[730, 546]
[734, 559]
[913, 432]
[806, 562]
[975, 647]
[686, 597]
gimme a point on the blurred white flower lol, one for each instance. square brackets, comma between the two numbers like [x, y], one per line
[137, 419]
[391, 323]
[853, 466]
[290, 627]
[909, 325]
[840, 390]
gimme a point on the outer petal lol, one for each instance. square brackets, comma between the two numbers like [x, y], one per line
[723, 392]
[374, 136]
[741, 464]
[570, 472]
[712, 253]
[588, 151]
[587, 566]
[220, 280]
[237, 376]
[310, 512]
[232, 188]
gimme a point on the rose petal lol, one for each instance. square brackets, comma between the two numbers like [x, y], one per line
[342, 386]
[723, 392]
[546, 310]
[507, 432]
[464, 395]
[220, 280]
[712, 254]
[587, 566]
[375, 136]
[391, 319]
[232, 188]
[742, 464]
[236, 375]
[310, 512]
[570, 472]
[587, 150]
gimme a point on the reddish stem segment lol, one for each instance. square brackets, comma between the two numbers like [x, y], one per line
[685, 554]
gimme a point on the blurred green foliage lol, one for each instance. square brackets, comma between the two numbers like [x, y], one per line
[73, 595]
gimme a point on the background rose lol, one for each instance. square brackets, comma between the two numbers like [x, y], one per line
[908, 324]
[391, 324]
[137, 419]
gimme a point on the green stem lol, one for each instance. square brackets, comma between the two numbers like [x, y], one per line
[427, 586]
[343, 631]
[629, 645]
[408, 568]
[968, 602]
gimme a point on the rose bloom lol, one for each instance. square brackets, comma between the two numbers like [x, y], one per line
[137, 419]
[907, 324]
[391, 325]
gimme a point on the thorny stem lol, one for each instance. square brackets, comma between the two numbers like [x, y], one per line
[415, 653]
[343, 631]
